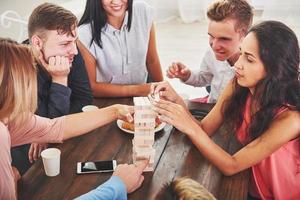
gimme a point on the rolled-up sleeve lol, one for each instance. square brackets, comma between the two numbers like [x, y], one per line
[38, 129]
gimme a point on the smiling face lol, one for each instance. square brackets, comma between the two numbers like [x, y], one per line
[224, 39]
[56, 44]
[249, 67]
[115, 8]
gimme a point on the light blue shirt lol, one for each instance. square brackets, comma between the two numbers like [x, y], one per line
[113, 189]
[122, 60]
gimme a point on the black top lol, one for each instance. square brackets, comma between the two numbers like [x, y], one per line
[55, 100]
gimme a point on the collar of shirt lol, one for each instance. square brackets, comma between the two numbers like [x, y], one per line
[112, 30]
[122, 33]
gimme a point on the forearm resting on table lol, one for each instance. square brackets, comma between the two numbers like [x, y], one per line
[80, 123]
[226, 163]
[115, 90]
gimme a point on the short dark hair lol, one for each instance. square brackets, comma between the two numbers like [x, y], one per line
[49, 16]
[95, 15]
[239, 10]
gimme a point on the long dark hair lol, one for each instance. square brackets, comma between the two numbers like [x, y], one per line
[279, 52]
[95, 15]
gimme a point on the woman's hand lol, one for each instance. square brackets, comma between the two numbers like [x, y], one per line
[165, 91]
[175, 115]
[124, 112]
[35, 151]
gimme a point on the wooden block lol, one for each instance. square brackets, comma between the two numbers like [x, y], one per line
[144, 132]
[150, 166]
[143, 141]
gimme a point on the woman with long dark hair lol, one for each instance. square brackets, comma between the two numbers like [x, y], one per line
[117, 38]
[261, 106]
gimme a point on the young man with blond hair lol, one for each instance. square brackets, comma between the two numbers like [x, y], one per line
[229, 21]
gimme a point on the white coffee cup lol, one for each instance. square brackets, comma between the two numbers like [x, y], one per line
[89, 108]
[51, 161]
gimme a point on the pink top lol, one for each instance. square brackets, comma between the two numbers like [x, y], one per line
[38, 129]
[277, 176]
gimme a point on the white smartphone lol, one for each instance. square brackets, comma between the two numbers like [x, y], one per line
[96, 166]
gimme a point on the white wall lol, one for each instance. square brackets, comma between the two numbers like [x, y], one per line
[13, 24]
[188, 11]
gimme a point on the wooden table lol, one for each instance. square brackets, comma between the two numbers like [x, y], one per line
[176, 156]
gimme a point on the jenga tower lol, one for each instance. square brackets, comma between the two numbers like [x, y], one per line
[144, 125]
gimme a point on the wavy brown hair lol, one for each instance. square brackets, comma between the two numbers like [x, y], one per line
[18, 84]
[279, 53]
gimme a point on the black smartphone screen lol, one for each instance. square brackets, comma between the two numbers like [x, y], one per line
[97, 166]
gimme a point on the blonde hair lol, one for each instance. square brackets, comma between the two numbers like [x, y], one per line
[18, 82]
[239, 10]
[184, 189]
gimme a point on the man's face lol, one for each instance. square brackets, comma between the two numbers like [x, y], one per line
[224, 39]
[56, 44]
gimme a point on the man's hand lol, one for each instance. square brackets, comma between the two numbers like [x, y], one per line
[131, 175]
[35, 151]
[178, 70]
[58, 68]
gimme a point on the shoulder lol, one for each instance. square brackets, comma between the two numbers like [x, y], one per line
[210, 53]
[209, 56]
[85, 34]
[84, 27]
[142, 10]
[84, 31]
[141, 6]
[289, 121]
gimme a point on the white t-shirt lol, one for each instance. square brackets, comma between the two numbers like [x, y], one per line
[122, 60]
[212, 72]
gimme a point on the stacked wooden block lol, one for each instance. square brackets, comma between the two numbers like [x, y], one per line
[144, 125]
